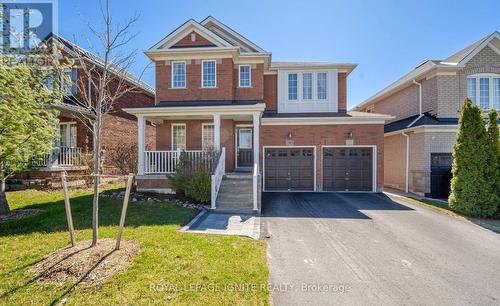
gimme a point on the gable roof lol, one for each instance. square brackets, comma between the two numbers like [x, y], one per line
[73, 48]
[186, 28]
[214, 31]
[230, 35]
[455, 61]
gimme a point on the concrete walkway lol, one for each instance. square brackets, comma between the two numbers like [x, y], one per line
[225, 224]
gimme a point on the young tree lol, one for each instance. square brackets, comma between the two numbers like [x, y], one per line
[28, 126]
[493, 166]
[105, 81]
[469, 185]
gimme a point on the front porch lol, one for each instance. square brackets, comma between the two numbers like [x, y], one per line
[59, 159]
[221, 139]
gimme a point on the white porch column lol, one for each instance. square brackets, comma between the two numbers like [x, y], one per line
[217, 132]
[256, 124]
[141, 142]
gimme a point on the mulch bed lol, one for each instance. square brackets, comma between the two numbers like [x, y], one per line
[85, 265]
[20, 214]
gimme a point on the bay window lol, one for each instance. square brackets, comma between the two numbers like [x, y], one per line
[307, 86]
[322, 85]
[484, 90]
[292, 86]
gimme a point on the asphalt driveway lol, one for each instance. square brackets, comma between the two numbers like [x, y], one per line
[365, 249]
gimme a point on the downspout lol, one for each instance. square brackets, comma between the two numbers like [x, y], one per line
[407, 160]
[420, 106]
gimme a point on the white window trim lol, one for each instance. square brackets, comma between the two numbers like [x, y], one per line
[326, 86]
[215, 70]
[312, 85]
[490, 77]
[172, 135]
[249, 75]
[172, 75]
[299, 82]
[68, 133]
[203, 125]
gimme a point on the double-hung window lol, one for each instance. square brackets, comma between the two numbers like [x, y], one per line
[67, 135]
[178, 136]
[245, 76]
[209, 73]
[178, 75]
[69, 82]
[207, 136]
[307, 86]
[292, 86]
[322, 86]
[484, 90]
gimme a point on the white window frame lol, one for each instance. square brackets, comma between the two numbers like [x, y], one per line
[326, 86]
[312, 85]
[73, 87]
[204, 146]
[172, 75]
[491, 89]
[172, 135]
[215, 74]
[68, 138]
[249, 76]
[297, 86]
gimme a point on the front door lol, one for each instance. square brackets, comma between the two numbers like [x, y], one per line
[244, 147]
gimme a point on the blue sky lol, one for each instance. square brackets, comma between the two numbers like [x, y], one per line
[386, 38]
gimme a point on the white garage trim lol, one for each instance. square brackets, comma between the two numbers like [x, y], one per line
[285, 147]
[374, 163]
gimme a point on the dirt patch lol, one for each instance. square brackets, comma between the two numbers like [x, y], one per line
[85, 265]
[20, 214]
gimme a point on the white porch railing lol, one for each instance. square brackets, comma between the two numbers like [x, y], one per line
[255, 182]
[69, 156]
[217, 177]
[60, 156]
[163, 162]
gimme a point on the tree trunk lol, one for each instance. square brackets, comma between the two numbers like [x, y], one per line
[4, 205]
[97, 172]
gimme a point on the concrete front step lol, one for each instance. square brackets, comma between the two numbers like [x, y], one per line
[243, 211]
[238, 176]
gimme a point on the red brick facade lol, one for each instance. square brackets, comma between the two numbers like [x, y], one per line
[199, 41]
[321, 135]
[227, 87]
[342, 85]
[271, 91]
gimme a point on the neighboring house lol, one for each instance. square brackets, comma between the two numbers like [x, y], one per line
[279, 126]
[426, 103]
[75, 138]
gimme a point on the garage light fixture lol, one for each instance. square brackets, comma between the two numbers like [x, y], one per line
[290, 135]
[349, 135]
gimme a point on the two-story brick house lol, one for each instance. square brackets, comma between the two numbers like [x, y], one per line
[281, 125]
[119, 131]
[426, 103]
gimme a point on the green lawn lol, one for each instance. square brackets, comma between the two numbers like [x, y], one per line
[183, 269]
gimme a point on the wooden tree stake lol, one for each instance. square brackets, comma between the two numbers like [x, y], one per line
[124, 211]
[68, 209]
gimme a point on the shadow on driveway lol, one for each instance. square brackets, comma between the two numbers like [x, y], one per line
[325, 204]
